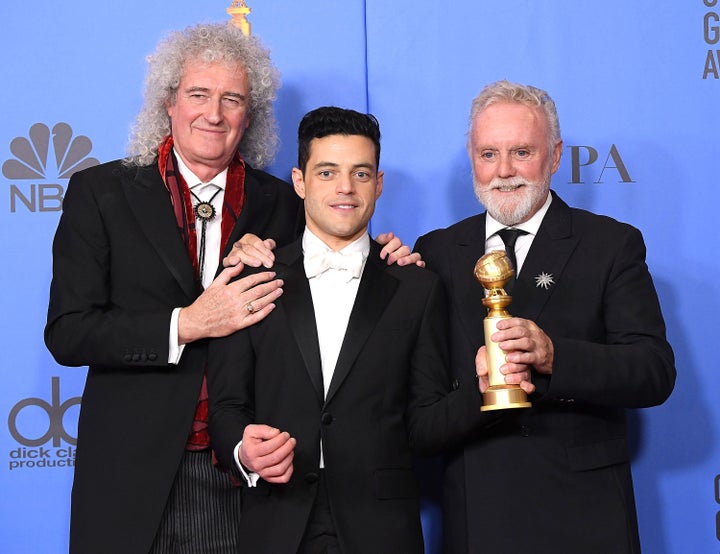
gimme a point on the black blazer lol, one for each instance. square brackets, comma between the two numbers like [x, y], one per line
[119, 269]
[388, 394]
[556, 477]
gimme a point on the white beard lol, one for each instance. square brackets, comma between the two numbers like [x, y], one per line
[519, 206]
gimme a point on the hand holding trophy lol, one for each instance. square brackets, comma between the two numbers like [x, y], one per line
[494, 270]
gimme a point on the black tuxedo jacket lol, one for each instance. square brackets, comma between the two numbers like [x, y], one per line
[389, 393]
[119, 269]
[556, 477]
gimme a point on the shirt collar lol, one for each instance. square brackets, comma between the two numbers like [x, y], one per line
[193, 181]
[312, 245]
[531, 226]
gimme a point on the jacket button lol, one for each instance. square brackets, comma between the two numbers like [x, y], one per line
[127, 357]
[152, 356]
[311, 477]
[326, 419]
[524, 430]
[136, 357]
[455, 385]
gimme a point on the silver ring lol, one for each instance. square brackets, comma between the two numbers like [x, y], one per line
[250, 308]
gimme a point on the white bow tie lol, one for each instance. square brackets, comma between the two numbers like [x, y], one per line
[318, 264]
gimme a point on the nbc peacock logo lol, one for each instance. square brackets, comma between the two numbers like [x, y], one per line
[42, 159]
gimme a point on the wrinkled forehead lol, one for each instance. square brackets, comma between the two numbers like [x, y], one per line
[197, 67]
[509, 122]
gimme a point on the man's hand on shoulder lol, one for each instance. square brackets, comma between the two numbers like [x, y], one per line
[394, 251]
[225, 306]
[251, 250]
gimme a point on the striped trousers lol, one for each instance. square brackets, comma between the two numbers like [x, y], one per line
[202, 512]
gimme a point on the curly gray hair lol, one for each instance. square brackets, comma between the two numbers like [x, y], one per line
[207, 43]
[505, 91]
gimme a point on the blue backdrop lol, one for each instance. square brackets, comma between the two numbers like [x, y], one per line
[636, 85]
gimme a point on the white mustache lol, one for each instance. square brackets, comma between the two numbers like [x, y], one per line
[507, 185]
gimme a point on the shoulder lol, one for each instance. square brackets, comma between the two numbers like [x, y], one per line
[115, 170]
[416, 289]
[459, 229]
[410, 276]
[261, 184]
[413, 274]
[104, 170]
[264, 179]
[602, 228]
[436, 242]
[582, 222]
[105, 179]
[596, 235]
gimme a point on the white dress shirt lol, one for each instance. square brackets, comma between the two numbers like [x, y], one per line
[213, 238]
[522, 246]
[333, 295]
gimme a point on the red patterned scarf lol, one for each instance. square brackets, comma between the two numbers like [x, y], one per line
[185, 217]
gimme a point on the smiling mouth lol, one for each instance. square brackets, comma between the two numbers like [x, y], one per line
[214, 130]
[509, 188]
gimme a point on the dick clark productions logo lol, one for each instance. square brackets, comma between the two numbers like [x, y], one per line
[33, 175]
[52, 445]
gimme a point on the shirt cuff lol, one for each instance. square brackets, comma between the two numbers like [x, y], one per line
[250, 477]
[175, 350]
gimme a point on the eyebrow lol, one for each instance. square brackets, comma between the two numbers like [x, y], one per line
[235, 95]
[207, 90]
[520, 146]
[335, 165]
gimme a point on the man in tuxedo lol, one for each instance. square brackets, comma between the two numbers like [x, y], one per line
[317, 407]
[133, 295]
[587, 325]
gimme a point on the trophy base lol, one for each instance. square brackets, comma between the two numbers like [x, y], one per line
[502, 398]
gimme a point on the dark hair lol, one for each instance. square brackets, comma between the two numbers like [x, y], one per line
[330, 120]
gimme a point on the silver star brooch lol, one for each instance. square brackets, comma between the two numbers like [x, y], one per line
[544, 280]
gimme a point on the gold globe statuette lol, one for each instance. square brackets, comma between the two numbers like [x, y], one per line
[238, 12]
[494, 270]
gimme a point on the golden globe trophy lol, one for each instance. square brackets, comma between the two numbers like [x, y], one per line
[494, 270]
[238, 12]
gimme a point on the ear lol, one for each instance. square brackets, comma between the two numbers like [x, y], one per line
[557, 154]
[298, 182]
[169, 108]
[379, 184]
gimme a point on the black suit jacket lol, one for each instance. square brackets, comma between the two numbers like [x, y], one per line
[388, 393]
[119, 269]
[556, 477]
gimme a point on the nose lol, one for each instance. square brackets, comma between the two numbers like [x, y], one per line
[506, 167]
[213, 111]
[344, 185]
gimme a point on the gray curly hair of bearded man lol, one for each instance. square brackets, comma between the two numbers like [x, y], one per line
[207, 43]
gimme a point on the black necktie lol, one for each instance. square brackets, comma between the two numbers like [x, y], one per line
[509, 237]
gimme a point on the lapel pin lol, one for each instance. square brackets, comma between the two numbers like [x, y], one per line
[544, 280]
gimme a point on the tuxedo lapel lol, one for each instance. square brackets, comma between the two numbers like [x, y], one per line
[550, 251]
[375, 290]
[296, 301]
[149, 200]
[257, 208]
[469, 249]
[549, 254]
